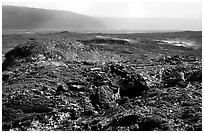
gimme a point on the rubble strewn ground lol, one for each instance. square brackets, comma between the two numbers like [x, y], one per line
[69, 84]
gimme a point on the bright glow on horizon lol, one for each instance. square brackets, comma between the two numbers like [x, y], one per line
[122, 9]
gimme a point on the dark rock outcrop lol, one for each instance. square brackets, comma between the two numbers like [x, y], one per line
[132, 86]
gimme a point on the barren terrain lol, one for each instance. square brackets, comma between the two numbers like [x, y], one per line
[111, 82]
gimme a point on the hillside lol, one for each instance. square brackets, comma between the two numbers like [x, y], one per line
[33, 18]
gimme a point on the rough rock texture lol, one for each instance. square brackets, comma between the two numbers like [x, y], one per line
[66, 85]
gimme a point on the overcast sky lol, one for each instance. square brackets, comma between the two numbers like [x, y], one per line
[113, 8]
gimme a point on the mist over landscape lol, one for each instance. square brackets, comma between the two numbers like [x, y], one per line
[33, 18]
[15, 17]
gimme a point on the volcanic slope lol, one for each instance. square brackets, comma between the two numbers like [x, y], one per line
[75, 82]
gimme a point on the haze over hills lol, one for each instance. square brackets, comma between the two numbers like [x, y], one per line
[14, 17]
[170, 24]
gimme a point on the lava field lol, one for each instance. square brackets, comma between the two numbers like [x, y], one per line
[78, 82]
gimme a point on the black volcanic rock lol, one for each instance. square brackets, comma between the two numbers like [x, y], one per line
[50, 86]
[172, 77]
[133, 86]
[22, 52]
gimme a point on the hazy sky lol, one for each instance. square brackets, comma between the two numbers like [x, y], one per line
[125, 8]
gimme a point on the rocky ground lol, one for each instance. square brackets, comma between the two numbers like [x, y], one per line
[92, 84]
